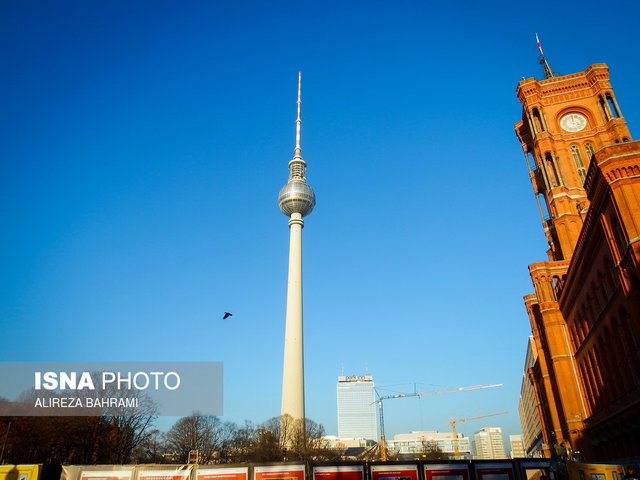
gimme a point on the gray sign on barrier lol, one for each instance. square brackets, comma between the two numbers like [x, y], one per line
[110, 388]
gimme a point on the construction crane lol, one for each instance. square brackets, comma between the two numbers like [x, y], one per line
[383, 444]
[456, 449]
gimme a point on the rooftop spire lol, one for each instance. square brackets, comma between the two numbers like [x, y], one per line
[546, 68]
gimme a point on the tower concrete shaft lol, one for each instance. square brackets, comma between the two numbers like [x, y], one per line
[293, 369]
[296, 200]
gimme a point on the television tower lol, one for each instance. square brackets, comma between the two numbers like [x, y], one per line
[296, 200]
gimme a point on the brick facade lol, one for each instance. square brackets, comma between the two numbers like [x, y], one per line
[585, 309]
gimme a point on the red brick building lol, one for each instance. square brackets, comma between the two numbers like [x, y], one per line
[585, 309]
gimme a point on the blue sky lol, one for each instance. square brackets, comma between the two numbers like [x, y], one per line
[144, 143]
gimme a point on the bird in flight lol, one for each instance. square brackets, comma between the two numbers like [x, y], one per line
[226, 315]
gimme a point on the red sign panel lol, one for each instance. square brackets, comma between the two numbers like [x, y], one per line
[164, 474]
[106, 475]
[446, 471]
[279, 472]
[339, 472]
[394, 472]
[239, 473]
[494, 471]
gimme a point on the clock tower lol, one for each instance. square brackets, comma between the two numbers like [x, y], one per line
[565, 119]
[585, 172]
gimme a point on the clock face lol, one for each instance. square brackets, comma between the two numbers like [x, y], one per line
[573, 122]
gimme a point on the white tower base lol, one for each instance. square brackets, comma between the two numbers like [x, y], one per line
[293, 369]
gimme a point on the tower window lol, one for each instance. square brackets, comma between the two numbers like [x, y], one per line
[556, 284]
[605, 109]
[589, 149]
[582, 172]
[612, 105]
[551, 170]
[620, 236]
[539, 124]
[542, 205]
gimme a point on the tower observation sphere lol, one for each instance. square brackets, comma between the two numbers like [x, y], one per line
[296, 197]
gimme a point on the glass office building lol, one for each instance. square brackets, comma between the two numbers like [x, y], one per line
[357, 407]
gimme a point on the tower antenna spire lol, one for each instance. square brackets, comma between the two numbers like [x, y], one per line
[297, 166]
[298, 149]
[546, 68]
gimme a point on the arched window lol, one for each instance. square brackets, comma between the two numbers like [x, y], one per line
[601, 350]
[556, 284]
[588, 146]
[539, 124]
[586, 380]
[619, 234]
[605, 108]
[573, 338]
[613, 107]
[609, 274]
[577, 159]
[597, 367]
[579, 335]
[592, 376]
[585, 325]
[551, 170]
[613, 366]
[581, 324]
[621, 356]
[540, 291]
[613, 275]
[626, 322]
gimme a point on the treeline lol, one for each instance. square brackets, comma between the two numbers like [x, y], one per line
[83, 440]
[133, 439]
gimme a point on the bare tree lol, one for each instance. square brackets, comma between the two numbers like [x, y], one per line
[205, 434]
[277, 439]
[150, 450]
[429, 450]
[297, 439]
[240, 443]
[130, 426]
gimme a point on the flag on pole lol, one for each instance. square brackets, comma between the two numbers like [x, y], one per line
[539, 45]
